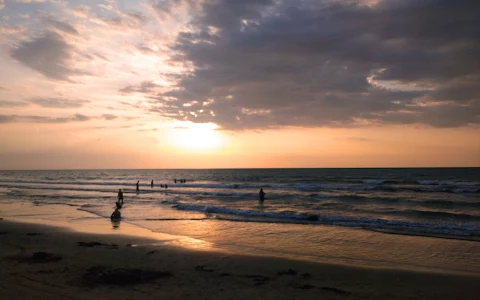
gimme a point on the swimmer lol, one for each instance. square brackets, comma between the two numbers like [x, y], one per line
[116, 215]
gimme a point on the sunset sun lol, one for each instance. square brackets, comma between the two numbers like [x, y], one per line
[197, 137]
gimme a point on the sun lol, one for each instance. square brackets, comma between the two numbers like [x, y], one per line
[197, 137]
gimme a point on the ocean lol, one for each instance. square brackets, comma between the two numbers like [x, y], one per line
[306, 212]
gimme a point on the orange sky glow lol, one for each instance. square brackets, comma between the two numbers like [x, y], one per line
[172, 84]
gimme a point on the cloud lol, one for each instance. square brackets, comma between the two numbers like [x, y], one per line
[48, 54]
[63, 26]
[144, 87]
[29, 1]
[81, 11]
[58, 103]
[145, 49]
[147, 129]
[356, 139]
[109, 117]
[126, 20]
[42, 119]
[5, 103]
[267, 64]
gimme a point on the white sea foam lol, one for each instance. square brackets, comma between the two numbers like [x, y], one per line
[373, 181]
[450, 183]
[349, 221]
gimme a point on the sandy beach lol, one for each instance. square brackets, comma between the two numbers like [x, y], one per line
[47, 262]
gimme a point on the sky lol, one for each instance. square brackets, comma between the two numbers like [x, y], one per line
[239, 84]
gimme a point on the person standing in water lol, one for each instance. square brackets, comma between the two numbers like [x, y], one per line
[138, 188]
[262, 195]
[120, 198]
[151, 184]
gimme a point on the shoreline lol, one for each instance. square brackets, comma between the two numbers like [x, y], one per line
[76, 265]
[357, 247]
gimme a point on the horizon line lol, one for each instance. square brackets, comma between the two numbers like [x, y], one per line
[279, 168]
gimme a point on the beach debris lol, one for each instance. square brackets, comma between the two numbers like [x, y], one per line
[335, 290]
[98, 275]
[93, 244]
[304, 286]
[203, 268]
[90, 244]
[306, 275]
[152, 252]
[45, 272]
[34, 233]
[258, 279]
[42, 257]
[288, 272]
[325, 288]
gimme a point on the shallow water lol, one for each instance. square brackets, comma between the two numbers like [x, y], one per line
[314, 214]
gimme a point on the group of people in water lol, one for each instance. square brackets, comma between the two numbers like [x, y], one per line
[161, 185]
[116, 215]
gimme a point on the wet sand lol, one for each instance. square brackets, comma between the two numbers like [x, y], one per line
[47, 262]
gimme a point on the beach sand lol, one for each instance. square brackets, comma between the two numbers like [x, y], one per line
[48, 262]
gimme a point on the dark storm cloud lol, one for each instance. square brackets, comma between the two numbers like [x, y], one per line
[265, 63]
[48, 54]
[42, 119]
[58, 103]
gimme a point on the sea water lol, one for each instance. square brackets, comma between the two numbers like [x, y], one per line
[349, 215]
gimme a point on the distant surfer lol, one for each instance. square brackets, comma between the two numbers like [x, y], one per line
[116, 215]
[138, 188]
[151, 184]
[262, 195]
[166, 186]
[175, 180]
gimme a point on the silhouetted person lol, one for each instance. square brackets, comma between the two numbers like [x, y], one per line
[116, 215]
[175, 180]
[151, 184]
[120, 196]
[166, 186]
[262, 195]
[138, 188]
